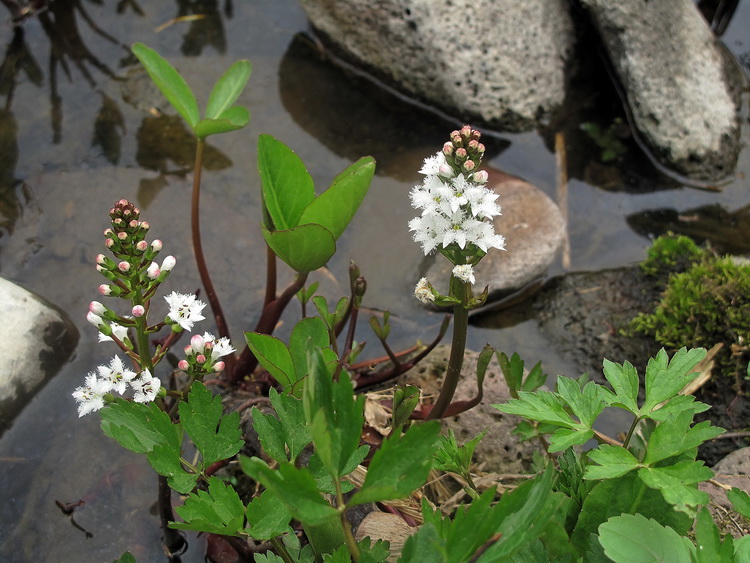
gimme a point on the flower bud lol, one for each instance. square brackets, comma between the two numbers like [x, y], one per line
[138, 311]
[480, 148]
[219, 366]
[473, 144]
[469, 165]
[153, 271]
[466, 132]
[188, 350]
[109, 243]
[201, 359]
[481, 176]
[101, 259]
[123, 266]
[197, 343]
[105, 289]
[141, 246]
[168, 263]
[183, 365]
[97, 308]
[144, 225]
[448, 149]
[461, 154]
[95, 320]
[156, 245]
[122, 235]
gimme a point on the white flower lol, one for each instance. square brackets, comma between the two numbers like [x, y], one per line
[432, 164]
[120, 332]
[116, 374]
[146, 387]
[185, 310]
[423, 292]
[221, 348]
[464, 272]
[90, 397]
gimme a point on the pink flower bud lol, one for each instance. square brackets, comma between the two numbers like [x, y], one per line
[469, 165]
[445, 171]
[101, 269]
[156, 245]
[108, 232]
[466, 132]
[95, 320]
[473, 144]
[197, 343]
[122, 235]
[101, 259]
[168, 263]
[109, 243]
[448, 149]
[122, 203]
[141, 246]
[105, 289]
[481, 176]
[153, 271]
[138, 311]
[183, 365]
[480, 148]
[123, 266]
[201, 359]
[188, 350]
[144, 225]
[461, 153]
[97, 308]
[118, 222]
[219, 366]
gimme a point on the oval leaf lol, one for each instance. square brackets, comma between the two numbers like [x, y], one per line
[335, 207]
[170, 82]
[232, 119]
[273, 355]
[305, 248]
[287, 187]
[228, 88]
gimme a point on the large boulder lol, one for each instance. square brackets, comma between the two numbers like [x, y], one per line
[501, 61]
[681, 89]
[36, 339]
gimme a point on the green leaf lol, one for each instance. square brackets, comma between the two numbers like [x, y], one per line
[286, 185]
[373, 552]
[304, 248]
[564, 438]
[218, 510]
[126, 557]
[400, 466]
[613, 461]
[664, 378]
[228, 88]
[323, 478]
[295, 487]
[586, 403]
[405, 400]
[273, 355]
[165, 459]
[674, 436]
[542, 406]
[709, 546]
[328, 538]
[170, 82]
[231, 119]
[740, 500]
[451, 457]
[336, 206]
[624, 381]
[425, 545]
[307, 334]
[267, 516]
[626, 494]
[632, 538]
[291, 414]
[138, 427]
[217, 437]
[677, 483]
[334, 417]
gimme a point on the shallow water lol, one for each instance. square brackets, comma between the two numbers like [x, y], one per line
[73, 141]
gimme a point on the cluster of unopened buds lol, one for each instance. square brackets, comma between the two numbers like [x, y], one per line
[202, 355]
[458, 209]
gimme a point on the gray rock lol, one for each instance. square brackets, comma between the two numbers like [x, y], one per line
[534, 230]
[680, 88]
[499, 451]
[36, 339]
[501, 61]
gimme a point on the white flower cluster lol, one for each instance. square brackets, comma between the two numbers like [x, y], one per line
[184, 309]
[115, 377]
[455, 209]
[204, 352]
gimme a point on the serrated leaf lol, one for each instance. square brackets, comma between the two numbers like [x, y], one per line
[218, 510]
[216, 436]
[564, 438]
[373, 552]
[665, 378]
[586, 403]
[287, 187]
[400, 466]
[291, 415]
[624, 381]
[170, 82]
[295, 487]
[674, 436]
[334, 416]
[267, 516]
[709, 547]
[273, 355]
[613, 461]
[542, 406]
[335, 207]
[228, 88]
[425, 545]
[632, 538]
[139, 427]
[323, 478]
[677, 483]
[270, 433]
[165, 459]
[451, 457]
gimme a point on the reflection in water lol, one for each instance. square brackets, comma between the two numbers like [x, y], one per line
[727, 232]
[206, 30]
[109, 126]
[326, 101]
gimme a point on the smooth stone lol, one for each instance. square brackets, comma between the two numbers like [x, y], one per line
[36, 339]
[682, 91]
[534, 230]
[501, 61]
[499, 451]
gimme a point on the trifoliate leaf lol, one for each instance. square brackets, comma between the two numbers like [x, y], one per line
[218, 510]
[217, 437]
[613, 461]
[287, 431]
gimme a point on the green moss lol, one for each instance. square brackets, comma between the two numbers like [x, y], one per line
[706, 304]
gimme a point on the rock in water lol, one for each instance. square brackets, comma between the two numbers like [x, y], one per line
[500, 61]
[36, 339]
[681, 89]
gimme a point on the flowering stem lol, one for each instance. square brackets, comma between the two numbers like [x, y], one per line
[458, 347]
[200, 259]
